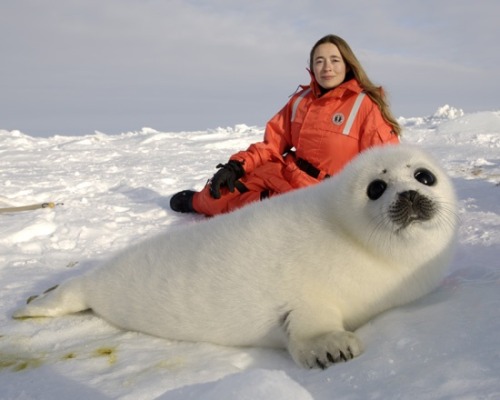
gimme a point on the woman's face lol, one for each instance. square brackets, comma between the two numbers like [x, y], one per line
[329, 67]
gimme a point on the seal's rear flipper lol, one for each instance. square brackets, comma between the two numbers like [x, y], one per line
[58, 300]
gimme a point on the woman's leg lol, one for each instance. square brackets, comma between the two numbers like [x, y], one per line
[265, 181]
[204, 203]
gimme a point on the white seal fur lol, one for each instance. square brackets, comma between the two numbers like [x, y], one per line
[302, 270]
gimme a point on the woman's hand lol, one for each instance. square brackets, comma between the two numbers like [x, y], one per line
[227, 175]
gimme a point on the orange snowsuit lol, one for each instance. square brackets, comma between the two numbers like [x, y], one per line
[311, 138]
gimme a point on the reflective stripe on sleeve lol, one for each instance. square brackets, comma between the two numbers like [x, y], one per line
[353, 114]
[297, 102]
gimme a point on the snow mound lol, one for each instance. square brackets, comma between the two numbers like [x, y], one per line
[443, 113]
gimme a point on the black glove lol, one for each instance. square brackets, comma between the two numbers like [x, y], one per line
[226, 176]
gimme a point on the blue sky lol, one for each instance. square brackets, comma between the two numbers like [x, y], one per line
[74, 67]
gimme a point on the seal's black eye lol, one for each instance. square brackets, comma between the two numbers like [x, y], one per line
[376, 189]
[425, 177]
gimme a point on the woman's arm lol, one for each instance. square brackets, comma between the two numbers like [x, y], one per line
[277, 140]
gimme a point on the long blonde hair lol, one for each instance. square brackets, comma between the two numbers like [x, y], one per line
[356, 71]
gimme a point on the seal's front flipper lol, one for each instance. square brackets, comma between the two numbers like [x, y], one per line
[58, 300]
[317, 338]
[326, 349]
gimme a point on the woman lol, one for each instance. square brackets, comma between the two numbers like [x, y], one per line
[323, 126]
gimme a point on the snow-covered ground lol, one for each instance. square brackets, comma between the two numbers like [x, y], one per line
[116, 190]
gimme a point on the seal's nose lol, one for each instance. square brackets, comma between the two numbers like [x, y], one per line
[410, 195]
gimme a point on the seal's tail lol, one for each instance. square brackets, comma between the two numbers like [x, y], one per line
[59, 300]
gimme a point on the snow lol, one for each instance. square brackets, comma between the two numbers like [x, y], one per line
[115, 190]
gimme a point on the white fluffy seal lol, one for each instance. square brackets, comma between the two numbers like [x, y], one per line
[302, 270]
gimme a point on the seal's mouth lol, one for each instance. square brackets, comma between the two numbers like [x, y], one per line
[411, 207]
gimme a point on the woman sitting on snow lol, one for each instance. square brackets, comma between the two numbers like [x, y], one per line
[323, 126]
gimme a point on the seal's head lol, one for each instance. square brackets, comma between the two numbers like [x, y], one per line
[402, 198]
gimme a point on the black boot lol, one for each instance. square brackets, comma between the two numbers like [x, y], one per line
[183, 201]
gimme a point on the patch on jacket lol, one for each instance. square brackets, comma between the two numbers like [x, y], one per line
[338, 118]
